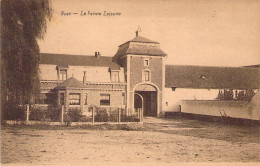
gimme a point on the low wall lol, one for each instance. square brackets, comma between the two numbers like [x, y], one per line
[234, 109]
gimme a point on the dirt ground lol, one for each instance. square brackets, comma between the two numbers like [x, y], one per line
[157, 141]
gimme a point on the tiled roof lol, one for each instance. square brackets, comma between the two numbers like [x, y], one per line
[139, 46]
[71, 83]
[203, 77]
[142, 46]
[64, 60]
[145, 49]
[141, 39]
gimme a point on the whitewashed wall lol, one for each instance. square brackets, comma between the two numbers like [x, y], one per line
[48, 72]
[234, 109]
[93, 74]
[174, 97]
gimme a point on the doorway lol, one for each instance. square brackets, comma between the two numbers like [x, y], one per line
[149, 102]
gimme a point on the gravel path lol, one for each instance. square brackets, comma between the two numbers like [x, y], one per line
[157, 141]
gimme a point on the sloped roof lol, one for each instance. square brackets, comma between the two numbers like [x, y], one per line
[139, 46]
[114, 66]
[64, 60]
[145, 49]
[204, 77]
[71, 83]
[255, 66]
[141, 39]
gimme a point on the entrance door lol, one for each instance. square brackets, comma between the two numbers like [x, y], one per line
[150, 102]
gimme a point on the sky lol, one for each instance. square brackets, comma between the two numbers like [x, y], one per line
[190, 32]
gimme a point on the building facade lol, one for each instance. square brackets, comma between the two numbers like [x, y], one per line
[135, 77]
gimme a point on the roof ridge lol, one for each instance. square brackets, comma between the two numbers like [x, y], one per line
[140, 41]
[72, 82]
[75, 60]
[74, 55]
[210, 66]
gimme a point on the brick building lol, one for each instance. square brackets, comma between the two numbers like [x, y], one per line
[134, 78]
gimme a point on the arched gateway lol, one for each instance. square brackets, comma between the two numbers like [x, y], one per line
[146, 97]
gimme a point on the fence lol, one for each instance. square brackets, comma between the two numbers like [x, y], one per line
[91, 114]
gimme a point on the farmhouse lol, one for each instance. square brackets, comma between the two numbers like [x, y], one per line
[135, 77]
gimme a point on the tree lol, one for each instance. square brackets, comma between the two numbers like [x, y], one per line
[220, 95]
[225, 95]
[23, 23]
[249, 94]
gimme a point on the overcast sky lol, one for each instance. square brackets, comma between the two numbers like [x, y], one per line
[191, 32]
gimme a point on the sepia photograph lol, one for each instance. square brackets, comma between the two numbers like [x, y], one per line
[130, 82]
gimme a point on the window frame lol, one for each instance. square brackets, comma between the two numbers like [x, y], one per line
[85, 98]
[123, 99]
[144, 77]
[102, 103]
[70, 99]
[62, 94]
[148, 62]
[116, 73]
[61, 73]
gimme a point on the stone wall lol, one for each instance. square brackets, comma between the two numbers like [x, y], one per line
[234, 109]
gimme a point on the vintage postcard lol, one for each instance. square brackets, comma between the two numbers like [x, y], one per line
[150, 82]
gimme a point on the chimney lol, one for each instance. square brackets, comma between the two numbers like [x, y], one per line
[84, 77]
[97, 54]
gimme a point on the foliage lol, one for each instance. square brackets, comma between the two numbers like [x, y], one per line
[13, 111]
[101, 115]
[23, 23]
[130, 118]
[226, 95]
[245, 95]
[73, 115]
[43, 114]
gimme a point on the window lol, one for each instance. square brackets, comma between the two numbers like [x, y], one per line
[61, 98]
[203, 77]
[146, 75]
[146, 62]
[85, 99]
[115, 76]
[123, 98]
[104, 99]
[74, 99]
[63, 74]
[43, 98]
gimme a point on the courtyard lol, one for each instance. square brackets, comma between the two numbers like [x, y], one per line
[156, 141]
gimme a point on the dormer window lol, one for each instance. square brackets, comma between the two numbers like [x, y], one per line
[114, 76]
[62, 73]
[146, 62]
